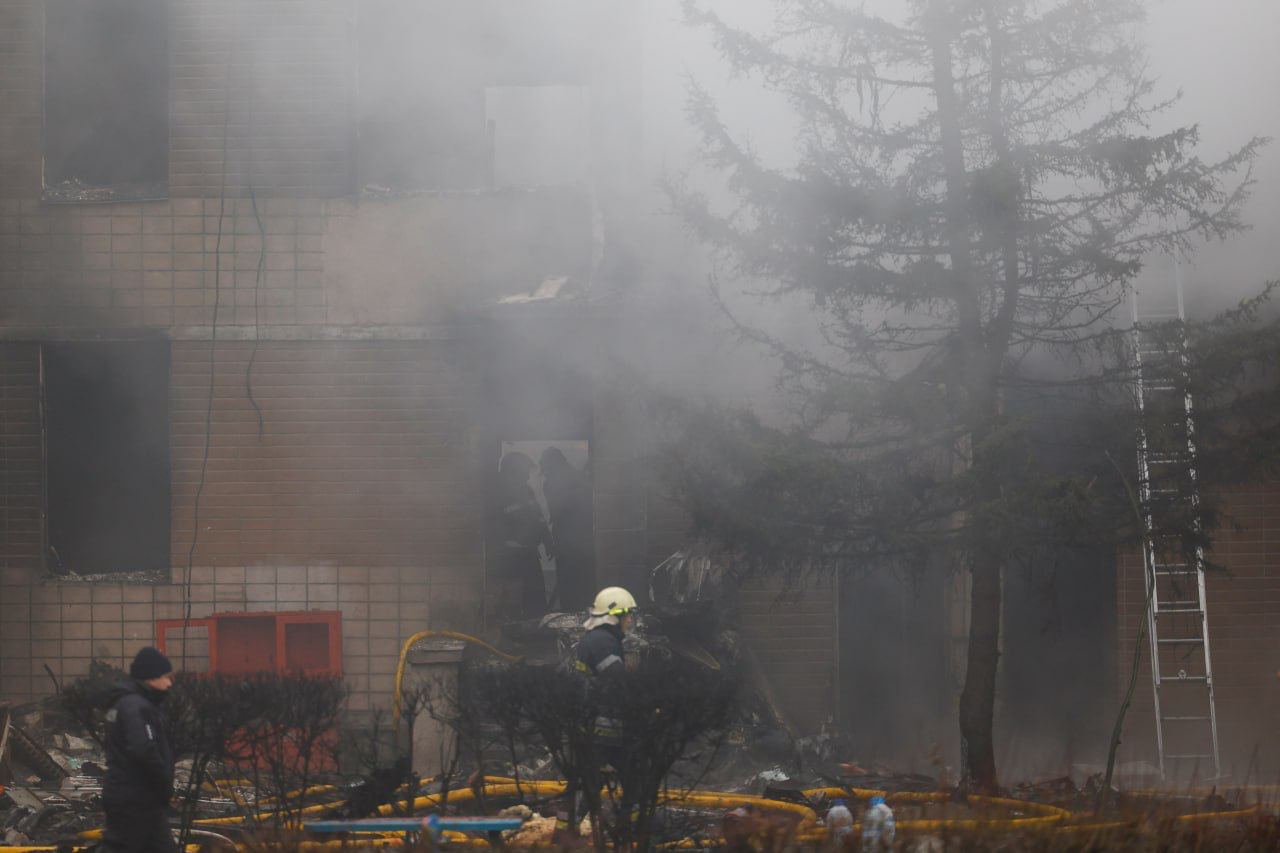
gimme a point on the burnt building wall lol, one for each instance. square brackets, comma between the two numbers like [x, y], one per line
[361, 289]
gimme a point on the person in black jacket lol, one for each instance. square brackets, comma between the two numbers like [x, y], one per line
[139, 780]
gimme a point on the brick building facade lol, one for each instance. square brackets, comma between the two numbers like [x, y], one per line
[1243, 603]
[289, 272]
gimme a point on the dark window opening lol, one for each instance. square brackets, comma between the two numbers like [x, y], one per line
[106, 100]
[106, 414]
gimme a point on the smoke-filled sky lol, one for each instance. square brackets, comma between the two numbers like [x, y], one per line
[1222, 55]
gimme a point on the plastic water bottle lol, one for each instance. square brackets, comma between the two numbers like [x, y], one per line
[839, 822]
[878, 828]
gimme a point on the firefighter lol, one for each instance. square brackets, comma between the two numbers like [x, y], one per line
[139, 779]
[611, 617]
[599, 655]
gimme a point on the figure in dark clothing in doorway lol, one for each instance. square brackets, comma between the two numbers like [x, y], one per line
[569, 503]
[139, 779]
[522, 529]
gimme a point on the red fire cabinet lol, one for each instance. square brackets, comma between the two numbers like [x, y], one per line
[306, 642]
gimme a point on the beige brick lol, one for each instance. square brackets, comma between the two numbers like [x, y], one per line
[168, 610]
[75, 667]
[121, 243]
[229, 593]
[257, 593]
[108, 630]
[45, 612]
[44, 594]
[353, 610]
[200, 592]
[353, 592]
[323, 593]
[46, 630]
[353, 574]
[229, 574]
[74, 594]
[137, 612]
[384, 574]
[413, 610]
[291, 574]
[77, 613]
[77, 648]
[108, 648]
[384, 610]
[384, 592]
[291, 592]
[140, 633]
[167, 593]
[322, 574]
[259, 574]
[107, 594]
[76, 629]
[138, 594]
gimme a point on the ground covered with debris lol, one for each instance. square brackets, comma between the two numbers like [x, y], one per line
[746, 799]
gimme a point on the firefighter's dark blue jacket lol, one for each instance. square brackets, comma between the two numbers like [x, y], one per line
[600, 650]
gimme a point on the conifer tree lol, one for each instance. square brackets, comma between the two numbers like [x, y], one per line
[976, 186]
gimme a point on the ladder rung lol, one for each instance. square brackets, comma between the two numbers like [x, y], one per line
[1181, 641]
[1186, 719]
[1178, 608]
[1187, 756]
[1189, 679]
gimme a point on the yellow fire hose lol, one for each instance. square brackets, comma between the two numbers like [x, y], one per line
[808, 829]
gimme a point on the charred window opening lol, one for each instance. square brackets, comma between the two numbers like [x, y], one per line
[421, 120]
[106, 93]
[433, 108]
[543, 527]
[106, 416]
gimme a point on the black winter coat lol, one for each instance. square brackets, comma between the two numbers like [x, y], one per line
[600, 650]
[139, 757]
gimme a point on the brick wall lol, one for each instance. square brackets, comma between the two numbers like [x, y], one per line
[266, 88]
[66, 625]
[160, 264]
[365, 456]
[794, 637]
[1244, 632]
[21, 93]
[359, 496]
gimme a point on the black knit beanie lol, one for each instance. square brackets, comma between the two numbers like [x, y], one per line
[149, 663]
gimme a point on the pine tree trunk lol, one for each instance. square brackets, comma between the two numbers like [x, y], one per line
[977, 702]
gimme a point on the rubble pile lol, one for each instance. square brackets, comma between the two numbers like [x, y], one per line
[51, 771]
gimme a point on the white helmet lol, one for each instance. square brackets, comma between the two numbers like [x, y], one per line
[613, 601]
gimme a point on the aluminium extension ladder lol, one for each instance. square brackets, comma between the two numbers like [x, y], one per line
[1177, 621]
